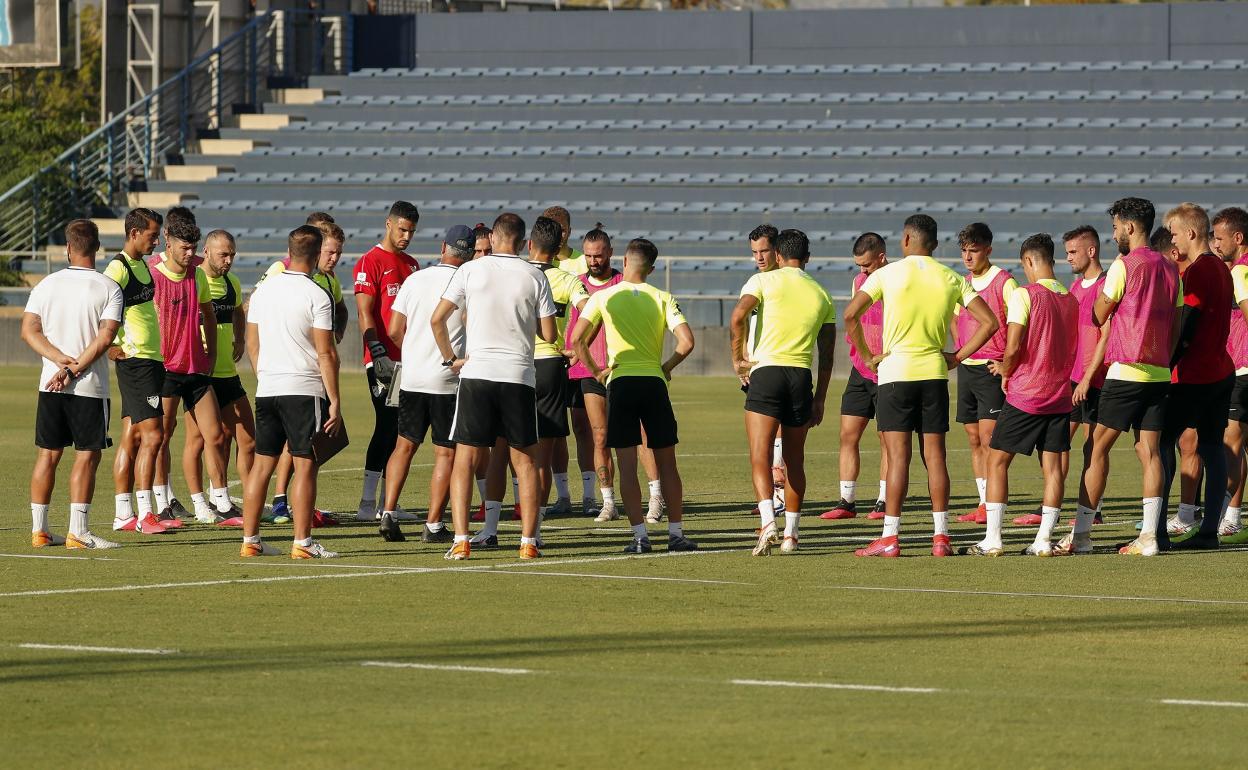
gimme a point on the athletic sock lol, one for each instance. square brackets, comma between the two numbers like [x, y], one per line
[220, 499]
[849, 491]
[304, 543]
[639, 530]
[38, 517]
[461, 538]
[982, 486]
[162, 497]
[766, 513]
[528, 540]
[1232, 516]
[143, 499]
[1083, 520]
[777, 453]
[199, 502]
[1048, 520]
[1152, 512]
[940, 523]
[251, 539]
[278, 500]
[656, 489]
[791, 521]
[1187, 513]
[561, 486]
[371, 480]
[78, 515]
[124, 509]
[675, 529]
[493, 508]
[481, 489]
[881, 498]
[434, 526]
[996, 515]
[608, 496]
[892, 525]
[589, 482]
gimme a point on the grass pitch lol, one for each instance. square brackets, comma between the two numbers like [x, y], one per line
[591, 660]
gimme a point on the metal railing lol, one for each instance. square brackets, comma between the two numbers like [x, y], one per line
[279, 48]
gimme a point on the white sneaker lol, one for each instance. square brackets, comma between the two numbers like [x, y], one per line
[1144, 545]
[766, 539]
[1073, 545]
[1228, 527]
[657, 508]
[402, 515]
[368, 511]
[1176, 526]
[314, 551]
[125, 525]
[607, 513]
[789, 545]
[483, 537]
[206, 515]
[88, 540]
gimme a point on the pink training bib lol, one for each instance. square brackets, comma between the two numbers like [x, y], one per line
[177, 308]
[965, 325]
[1040, 383]
[597, 348]
[1142, 324]
[872, 328]
[1089, 332]
[1237, 342]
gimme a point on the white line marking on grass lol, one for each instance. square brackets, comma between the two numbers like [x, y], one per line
[331, 565]
[44, 556]
[197, 583]
[83, 648]
[1219, 703]
[433, 667]
[596, 576]
[596, 559]
[833, 686]
[1032, 595]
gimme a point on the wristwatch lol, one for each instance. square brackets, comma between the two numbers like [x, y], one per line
[448, 363]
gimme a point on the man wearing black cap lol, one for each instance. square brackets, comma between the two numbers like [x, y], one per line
[426, 388]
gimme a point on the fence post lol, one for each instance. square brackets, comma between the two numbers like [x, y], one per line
[108, 153]
[254, 69]
[184, 128]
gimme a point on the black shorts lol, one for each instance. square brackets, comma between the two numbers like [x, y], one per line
[859, 398]
[552, 397]
[62, 419]
[1021, 433]
[920, 406]
[1202, 407]
[782, 392]
[1238, 410]
[140, 381]
[288, 421]
[590, 386]
[1126, 405]
[486, 410]
[1085, 413]
[421, 413]
[228, 390]
[979, 394]
[188, 388]
[634, 403]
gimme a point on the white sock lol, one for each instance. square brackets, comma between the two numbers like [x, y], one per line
[656, 489]
[493, 508]
[849, 491]
[608, 496]
[371, 480]
[481, 488]
[1049, 517]
[791, 520]
[162, 496]
[892, 525]
[561, 486]
[528, 540]
[434, 526]
[589, 482]
[1083, 520]
[639, 530]
[124, 510]
[199, 502]
[881, 498]
[1187, 513]
[78, 515]
[996, 514]
[1152, 512]
[675, 528]
[515, 491]
[777, 453]
[1098, 506]
[766, 513]
[251, 539]
[307, 541]
[982, 486]
[461, 538]
[940, 522]
[1231, 516]
[143, 499]
[38, 517]
[220, 499]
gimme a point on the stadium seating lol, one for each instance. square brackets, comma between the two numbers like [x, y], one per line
[695, 156]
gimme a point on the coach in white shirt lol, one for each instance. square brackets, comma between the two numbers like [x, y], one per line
[506, 301]
[426, 388]
[70, 321]
[290, 341]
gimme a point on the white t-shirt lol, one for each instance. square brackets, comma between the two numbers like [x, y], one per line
[503, 297]
[423, 371]
[71, 304]
[285, 309]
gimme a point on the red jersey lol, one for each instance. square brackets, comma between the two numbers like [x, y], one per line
[1207, 289]
[379, 274]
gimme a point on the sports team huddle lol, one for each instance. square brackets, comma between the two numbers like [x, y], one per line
[497, 359]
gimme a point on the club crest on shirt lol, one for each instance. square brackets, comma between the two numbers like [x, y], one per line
[153, 401]
[392, 290]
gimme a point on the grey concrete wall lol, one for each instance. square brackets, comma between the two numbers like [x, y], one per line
[851, 35]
